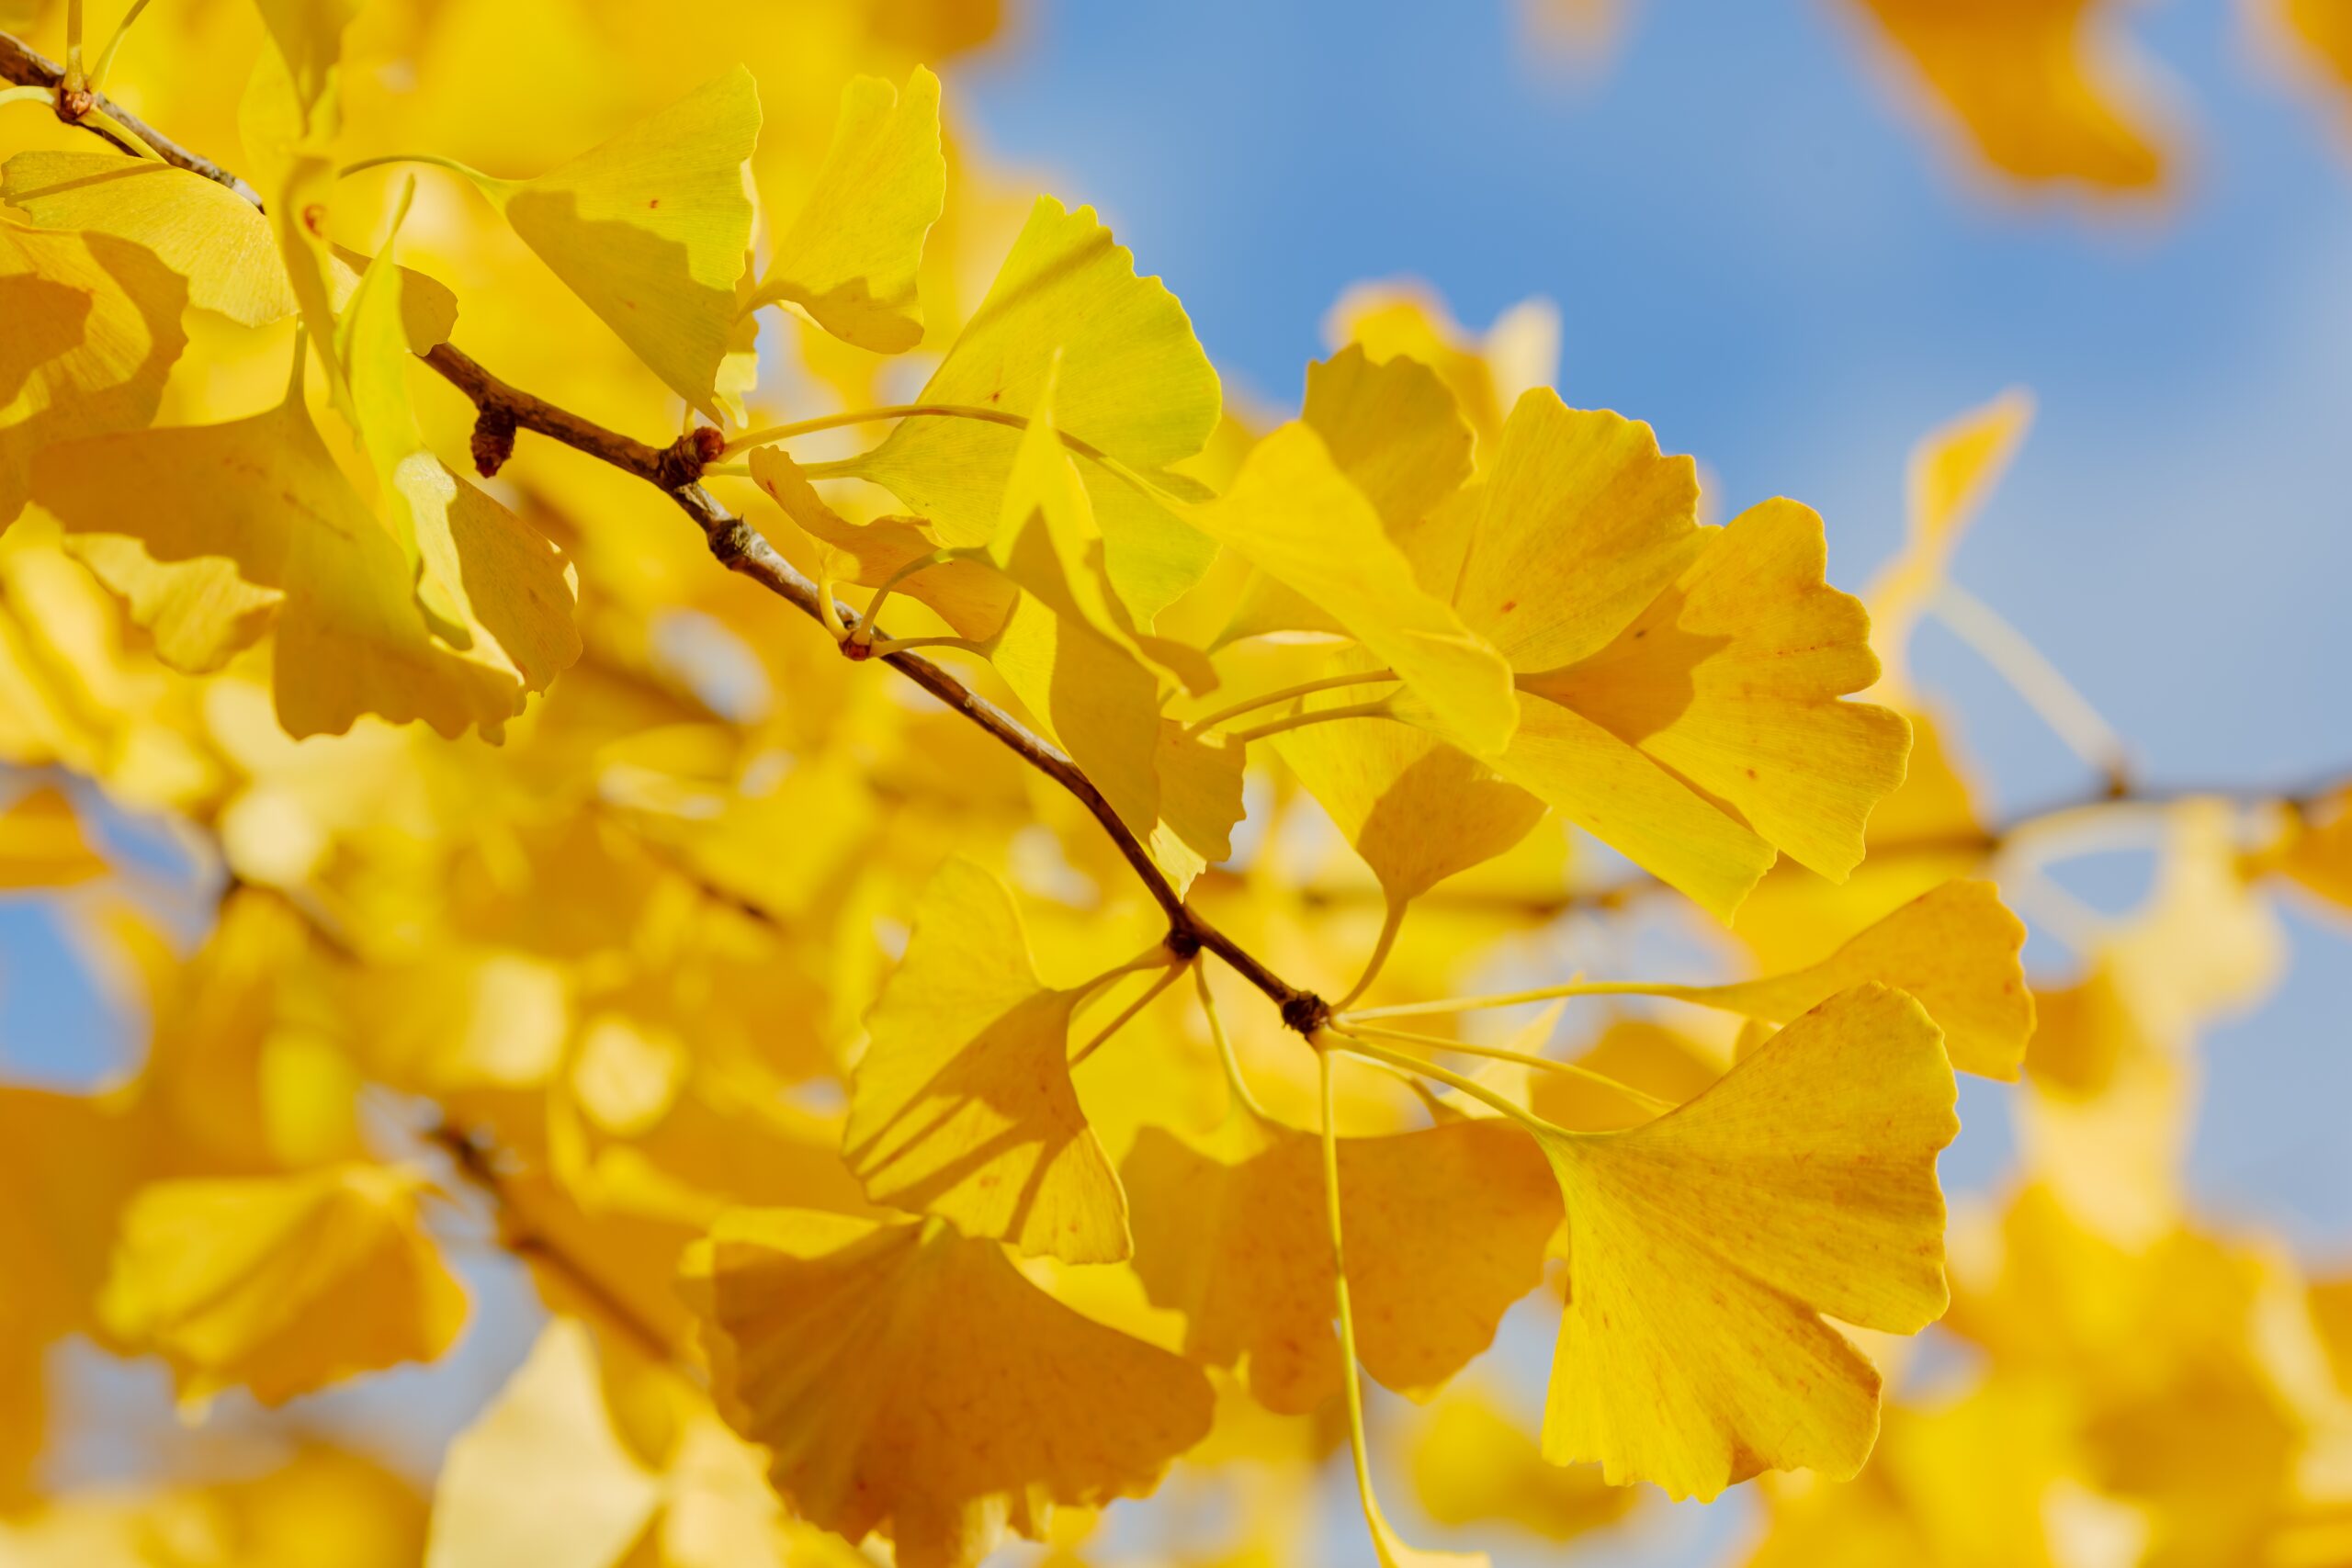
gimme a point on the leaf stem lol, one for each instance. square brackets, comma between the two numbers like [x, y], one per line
[1304, 689]
[430, 159]
[1310, 718]
[889, 645]
[1541, 994]
[1127, 1014]
[1496, 1053]
[114, 44]
[2054, 699]
[1373, 1049]
[1390, 924]
[1226, 1058]
[864, 633]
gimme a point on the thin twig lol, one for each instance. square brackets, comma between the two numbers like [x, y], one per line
[26, 68]
[675, 470]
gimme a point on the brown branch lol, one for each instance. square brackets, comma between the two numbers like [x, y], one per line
[476, 1162]
[675, 470]
[26, 68]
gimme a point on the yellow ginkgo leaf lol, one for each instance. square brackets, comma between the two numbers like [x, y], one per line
[1679, 683]
[849, 259]
[650, 227]
[1682, 697]
[280, 1285]
[1473, 1465]
[2321, 32]
[541, 1475]
[1396, 431]
[414, 491]
[94, 328]
[1446, 1229]
[1706, 1247]
[970, 595]
[906, 1378]
[961, 1105]
[309, 35]
[1656, 1062]
[2316, 849]
[208, 233]
[1293, 514]
[265, 493]
[1486, 373]
[41, 844]
[2042, 89]
[199, 612]
[1133, 385]
[1200, 800]
[1953, 949]
[1416, 808]
[1952, 470]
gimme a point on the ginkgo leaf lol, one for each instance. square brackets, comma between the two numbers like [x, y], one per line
[1486, 372]
[414, 491]
[1416, 809]
[1729, 684]
[1296, 516]
[2043, 89]
[94, 328]
[1679, 683]
[309, 35]
[970, 595]
[264, 492]
[1953, 949]
[280, 1285]
[1446, 1229]
[1706, 1247]
[1952, 470]
[1133, 385]
[1473, 1464]
[908, 1379]
[1393, 428]
[2320, 30]
[2317, 850]
[961, 1105]
[208, 233]
[1200, 800]
[41, 844]
[289, 127]
[199, 613]
[541, 1476]
[849, 259]
[649, 228]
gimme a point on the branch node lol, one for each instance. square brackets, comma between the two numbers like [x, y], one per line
[1306, 1013]
[1184, 942]
[494, 440]
[682, 460]
[730, 541]
[73, 105]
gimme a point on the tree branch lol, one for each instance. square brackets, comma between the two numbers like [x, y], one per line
[676, 470]
[26, 68]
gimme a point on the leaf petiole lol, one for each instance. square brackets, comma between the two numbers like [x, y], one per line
[1304, 689]
[1498, 1054]
[1172, 969]
[1225, 1056]
[1311, 717]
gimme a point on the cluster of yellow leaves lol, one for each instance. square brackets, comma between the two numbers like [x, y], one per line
[886, 1172]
